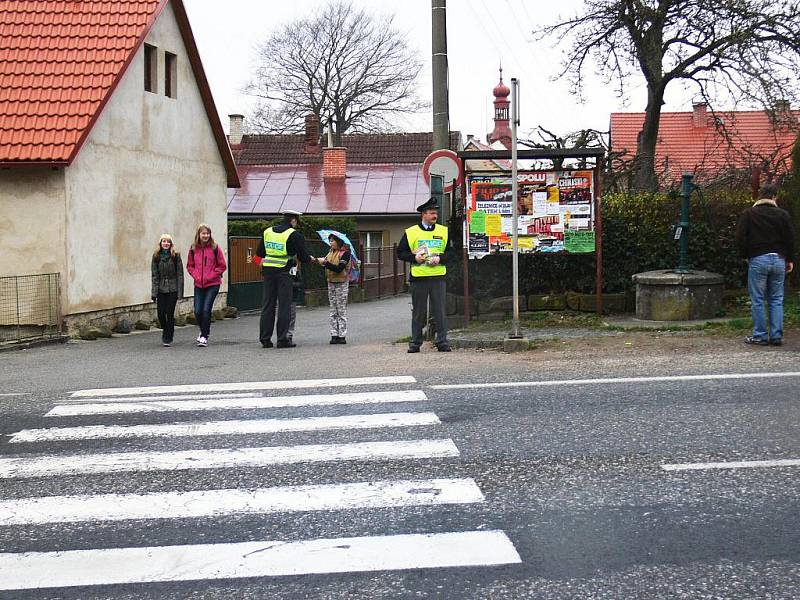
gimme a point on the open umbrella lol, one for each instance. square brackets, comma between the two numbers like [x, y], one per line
[326, 233]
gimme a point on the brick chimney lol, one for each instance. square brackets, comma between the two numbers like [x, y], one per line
[312, 134]
[334, 163]
[236, 123]
[699, 116]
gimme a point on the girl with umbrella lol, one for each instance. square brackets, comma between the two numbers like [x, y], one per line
[337, 270]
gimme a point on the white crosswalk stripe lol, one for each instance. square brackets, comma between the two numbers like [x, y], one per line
[169, 405]
[234, 427]
[233, 559]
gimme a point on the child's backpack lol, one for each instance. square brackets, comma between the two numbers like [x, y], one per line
[354, 269]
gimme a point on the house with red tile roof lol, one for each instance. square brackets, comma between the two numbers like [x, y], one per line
[109, 137]
[374, 178]
[707, 144]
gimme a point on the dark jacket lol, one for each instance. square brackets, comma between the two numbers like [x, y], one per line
[166, 275]
[295, 246]
[765, 228]
[404, 253]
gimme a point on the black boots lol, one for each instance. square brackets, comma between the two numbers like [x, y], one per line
[335, 339]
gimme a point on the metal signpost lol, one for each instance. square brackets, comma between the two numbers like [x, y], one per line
[515, 331]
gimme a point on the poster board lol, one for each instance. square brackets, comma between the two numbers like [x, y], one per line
[555, 213]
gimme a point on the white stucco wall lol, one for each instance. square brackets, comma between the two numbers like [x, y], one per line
[150, 165]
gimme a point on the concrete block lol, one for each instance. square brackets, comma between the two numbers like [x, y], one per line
[141, 325]
[670, 296]
[515, 345]
[103, 331]
[230, 312]
[547, 302]
[191, 319]
[123, 326]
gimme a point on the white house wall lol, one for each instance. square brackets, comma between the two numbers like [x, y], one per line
[149, 166]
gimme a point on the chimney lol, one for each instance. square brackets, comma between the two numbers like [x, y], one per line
[312, 134]
[334, 163]
[236, 123]
[699, 118]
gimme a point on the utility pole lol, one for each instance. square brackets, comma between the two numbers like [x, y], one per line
[515, 331]
[441, 110]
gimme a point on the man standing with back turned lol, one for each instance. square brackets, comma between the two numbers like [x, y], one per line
[276, 252]
[765, 235]
[427, 247]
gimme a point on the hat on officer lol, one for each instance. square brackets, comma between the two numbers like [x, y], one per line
[288, 215]
[430, 204]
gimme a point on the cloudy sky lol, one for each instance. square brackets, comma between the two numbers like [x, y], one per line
[481, 35]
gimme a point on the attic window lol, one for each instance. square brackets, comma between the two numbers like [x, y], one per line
[170, 75]
[150, 68]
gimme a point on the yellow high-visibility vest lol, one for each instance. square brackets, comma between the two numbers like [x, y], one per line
[436, 242]
[275, 246]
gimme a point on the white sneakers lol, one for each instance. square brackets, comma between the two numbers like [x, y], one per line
[202, 342]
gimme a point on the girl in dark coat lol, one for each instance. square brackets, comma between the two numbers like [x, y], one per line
[166, 269]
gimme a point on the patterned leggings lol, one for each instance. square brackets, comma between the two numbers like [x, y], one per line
[337, 295]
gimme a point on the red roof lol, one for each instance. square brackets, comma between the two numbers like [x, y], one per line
[694, 143]
[384, 175]
[59, 64]
[378, 148]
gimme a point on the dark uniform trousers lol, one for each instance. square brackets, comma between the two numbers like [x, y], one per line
[421, 289]
[277, 292]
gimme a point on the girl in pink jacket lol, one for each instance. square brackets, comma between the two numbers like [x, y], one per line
[206, 264]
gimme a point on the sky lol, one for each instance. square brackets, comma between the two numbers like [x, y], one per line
[481, 34]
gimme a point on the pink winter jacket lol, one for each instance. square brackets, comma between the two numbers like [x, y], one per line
[206, 266]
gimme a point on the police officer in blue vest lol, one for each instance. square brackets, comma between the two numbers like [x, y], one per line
[280, 245]
[427, 247]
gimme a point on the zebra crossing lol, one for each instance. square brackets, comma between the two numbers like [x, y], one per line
[78, 457]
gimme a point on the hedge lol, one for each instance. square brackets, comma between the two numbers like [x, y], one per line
[314, 277]
[637, 236]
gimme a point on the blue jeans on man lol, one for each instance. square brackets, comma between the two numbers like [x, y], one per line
[765, 277]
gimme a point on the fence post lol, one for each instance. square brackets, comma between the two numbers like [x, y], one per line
[16, 292]
[394, 269]
[380, 261]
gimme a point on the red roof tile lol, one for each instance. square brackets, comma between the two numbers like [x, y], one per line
[684, 147]
[361, 148]
[59, 63]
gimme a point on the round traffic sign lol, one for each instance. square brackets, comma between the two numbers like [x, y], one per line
[444, 163]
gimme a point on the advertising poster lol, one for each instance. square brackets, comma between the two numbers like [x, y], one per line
[555, 212]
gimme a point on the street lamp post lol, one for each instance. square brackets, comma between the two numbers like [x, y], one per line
[515, 330]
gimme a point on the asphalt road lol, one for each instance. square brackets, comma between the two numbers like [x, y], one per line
[575, 498]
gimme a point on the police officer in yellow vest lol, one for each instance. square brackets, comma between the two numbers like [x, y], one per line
[276, 253]
[427, 247]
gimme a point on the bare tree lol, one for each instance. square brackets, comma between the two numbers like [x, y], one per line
[341, 63]
[730, 50]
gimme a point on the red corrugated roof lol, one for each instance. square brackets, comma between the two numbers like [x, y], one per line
[685, 147]
[59, 63]
[387, 189]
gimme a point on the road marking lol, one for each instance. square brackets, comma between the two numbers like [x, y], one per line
[245, 386]
[741, 464]
[94, 432]
[215, 458]
[613, 380]
[16, 394]
[108, 408]
[275, 558]
[215, 503]
[159, 398]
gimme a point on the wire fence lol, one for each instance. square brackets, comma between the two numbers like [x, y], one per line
[29, 307]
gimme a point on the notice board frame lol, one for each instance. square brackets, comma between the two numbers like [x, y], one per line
[553, 154]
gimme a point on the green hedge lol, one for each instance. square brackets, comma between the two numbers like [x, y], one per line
[637, 236]
[313, 276]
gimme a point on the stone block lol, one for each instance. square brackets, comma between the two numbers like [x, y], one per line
[88, 333]
[141, 325]
[487, 317]
[103, 331]
[191, 319]
[547, 302]
[451, 304]
[123, 326]
[515, 345]
[217, 315]
[230, 312]
[180, 321]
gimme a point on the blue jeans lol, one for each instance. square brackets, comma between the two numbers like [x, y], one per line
[765, 283]
[203, 302]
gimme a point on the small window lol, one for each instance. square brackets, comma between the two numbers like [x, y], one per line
[372, 244]
[150, 68]
[170, 75]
